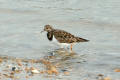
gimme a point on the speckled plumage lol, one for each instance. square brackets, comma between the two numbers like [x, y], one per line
[65, 37]
[62, 36]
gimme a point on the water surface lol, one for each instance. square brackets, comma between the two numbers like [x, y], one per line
[97, 20]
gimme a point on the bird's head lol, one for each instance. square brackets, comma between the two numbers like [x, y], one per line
[48, 28]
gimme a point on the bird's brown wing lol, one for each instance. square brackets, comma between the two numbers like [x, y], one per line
[63, 36]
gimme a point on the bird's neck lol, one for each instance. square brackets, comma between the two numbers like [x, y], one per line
[50, 31]
[50, 35]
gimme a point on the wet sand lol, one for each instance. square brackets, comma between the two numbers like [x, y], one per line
[20, 37]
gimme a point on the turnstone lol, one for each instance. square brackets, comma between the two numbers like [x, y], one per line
[63, 37]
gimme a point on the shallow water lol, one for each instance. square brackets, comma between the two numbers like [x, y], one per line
[22, 20]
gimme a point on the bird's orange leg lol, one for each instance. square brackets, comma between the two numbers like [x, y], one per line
[71, 47]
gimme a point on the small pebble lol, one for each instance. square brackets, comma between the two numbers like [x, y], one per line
[35, 71]
[13, 68]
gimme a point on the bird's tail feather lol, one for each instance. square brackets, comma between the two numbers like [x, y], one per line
[81, 40]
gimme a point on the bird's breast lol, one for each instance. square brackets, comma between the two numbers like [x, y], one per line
[54, 40]
[50, 36]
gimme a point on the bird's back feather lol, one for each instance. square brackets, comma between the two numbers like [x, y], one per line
[66, 37]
